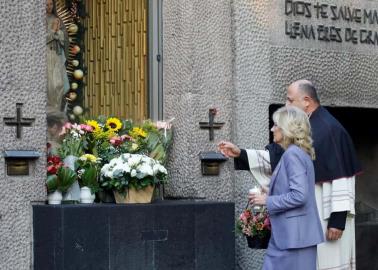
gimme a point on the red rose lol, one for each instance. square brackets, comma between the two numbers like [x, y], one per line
[52, 169]
[56, 160]
[53, 160]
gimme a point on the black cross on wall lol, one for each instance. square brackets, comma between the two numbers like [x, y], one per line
[211, 125]
[18, 121]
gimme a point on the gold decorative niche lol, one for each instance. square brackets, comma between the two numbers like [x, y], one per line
[116, 58]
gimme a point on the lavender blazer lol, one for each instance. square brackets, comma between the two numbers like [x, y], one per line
[291, 202]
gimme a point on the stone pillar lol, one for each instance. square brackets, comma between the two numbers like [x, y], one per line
[22, 80]
[197, 60]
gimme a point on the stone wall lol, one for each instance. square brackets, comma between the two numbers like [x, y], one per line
[235, 55]
[22, 80]
[198, 75]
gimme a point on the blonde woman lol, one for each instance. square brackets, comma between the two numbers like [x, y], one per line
[296, 228]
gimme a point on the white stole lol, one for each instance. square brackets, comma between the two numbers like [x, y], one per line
[259, 165]
[338, 196]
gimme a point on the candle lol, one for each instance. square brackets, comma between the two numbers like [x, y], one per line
[256, 190]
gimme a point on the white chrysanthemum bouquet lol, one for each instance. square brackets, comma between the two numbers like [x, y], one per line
[132, 170]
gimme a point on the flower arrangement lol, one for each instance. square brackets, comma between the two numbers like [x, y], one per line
[59, 177]
[74, 139]
[87, 171]
[132, 170]
[108, 141]
[112, 137]
[107, 138]
[255, 226]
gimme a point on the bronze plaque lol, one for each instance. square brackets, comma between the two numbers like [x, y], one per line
[17, 167]
[210, 168]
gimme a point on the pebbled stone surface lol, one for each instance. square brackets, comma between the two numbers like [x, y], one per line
[228, 54]
[22, 80]
[197, 76]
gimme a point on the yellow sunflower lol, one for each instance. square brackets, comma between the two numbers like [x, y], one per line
[138, 132]
[113, 124]
[94, 124]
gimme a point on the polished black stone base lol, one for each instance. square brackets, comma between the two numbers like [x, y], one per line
[166, 235]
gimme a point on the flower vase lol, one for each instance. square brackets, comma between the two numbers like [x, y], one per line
[135, 195]
[86, 195]
[159, 192]
[55, 197]
[73, 193]
[256, 242]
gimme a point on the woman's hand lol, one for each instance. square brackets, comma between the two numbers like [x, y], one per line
[229, 149]
[265, 189]
[258, 199]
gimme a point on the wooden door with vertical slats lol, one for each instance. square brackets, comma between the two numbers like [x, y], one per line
[116, 58]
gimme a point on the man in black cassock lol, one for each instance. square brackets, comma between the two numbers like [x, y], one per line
[336, 166]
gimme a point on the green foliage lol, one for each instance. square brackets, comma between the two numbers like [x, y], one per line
[87, 170]
[127, 125]
[71, 146]
[52, 183]
[66, 177]
[62, 180]
[157, 142]
[89, 179]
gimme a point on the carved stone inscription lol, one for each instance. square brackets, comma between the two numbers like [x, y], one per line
[319, 21]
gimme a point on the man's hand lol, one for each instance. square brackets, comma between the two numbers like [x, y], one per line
[229, 149]
[333, 234]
